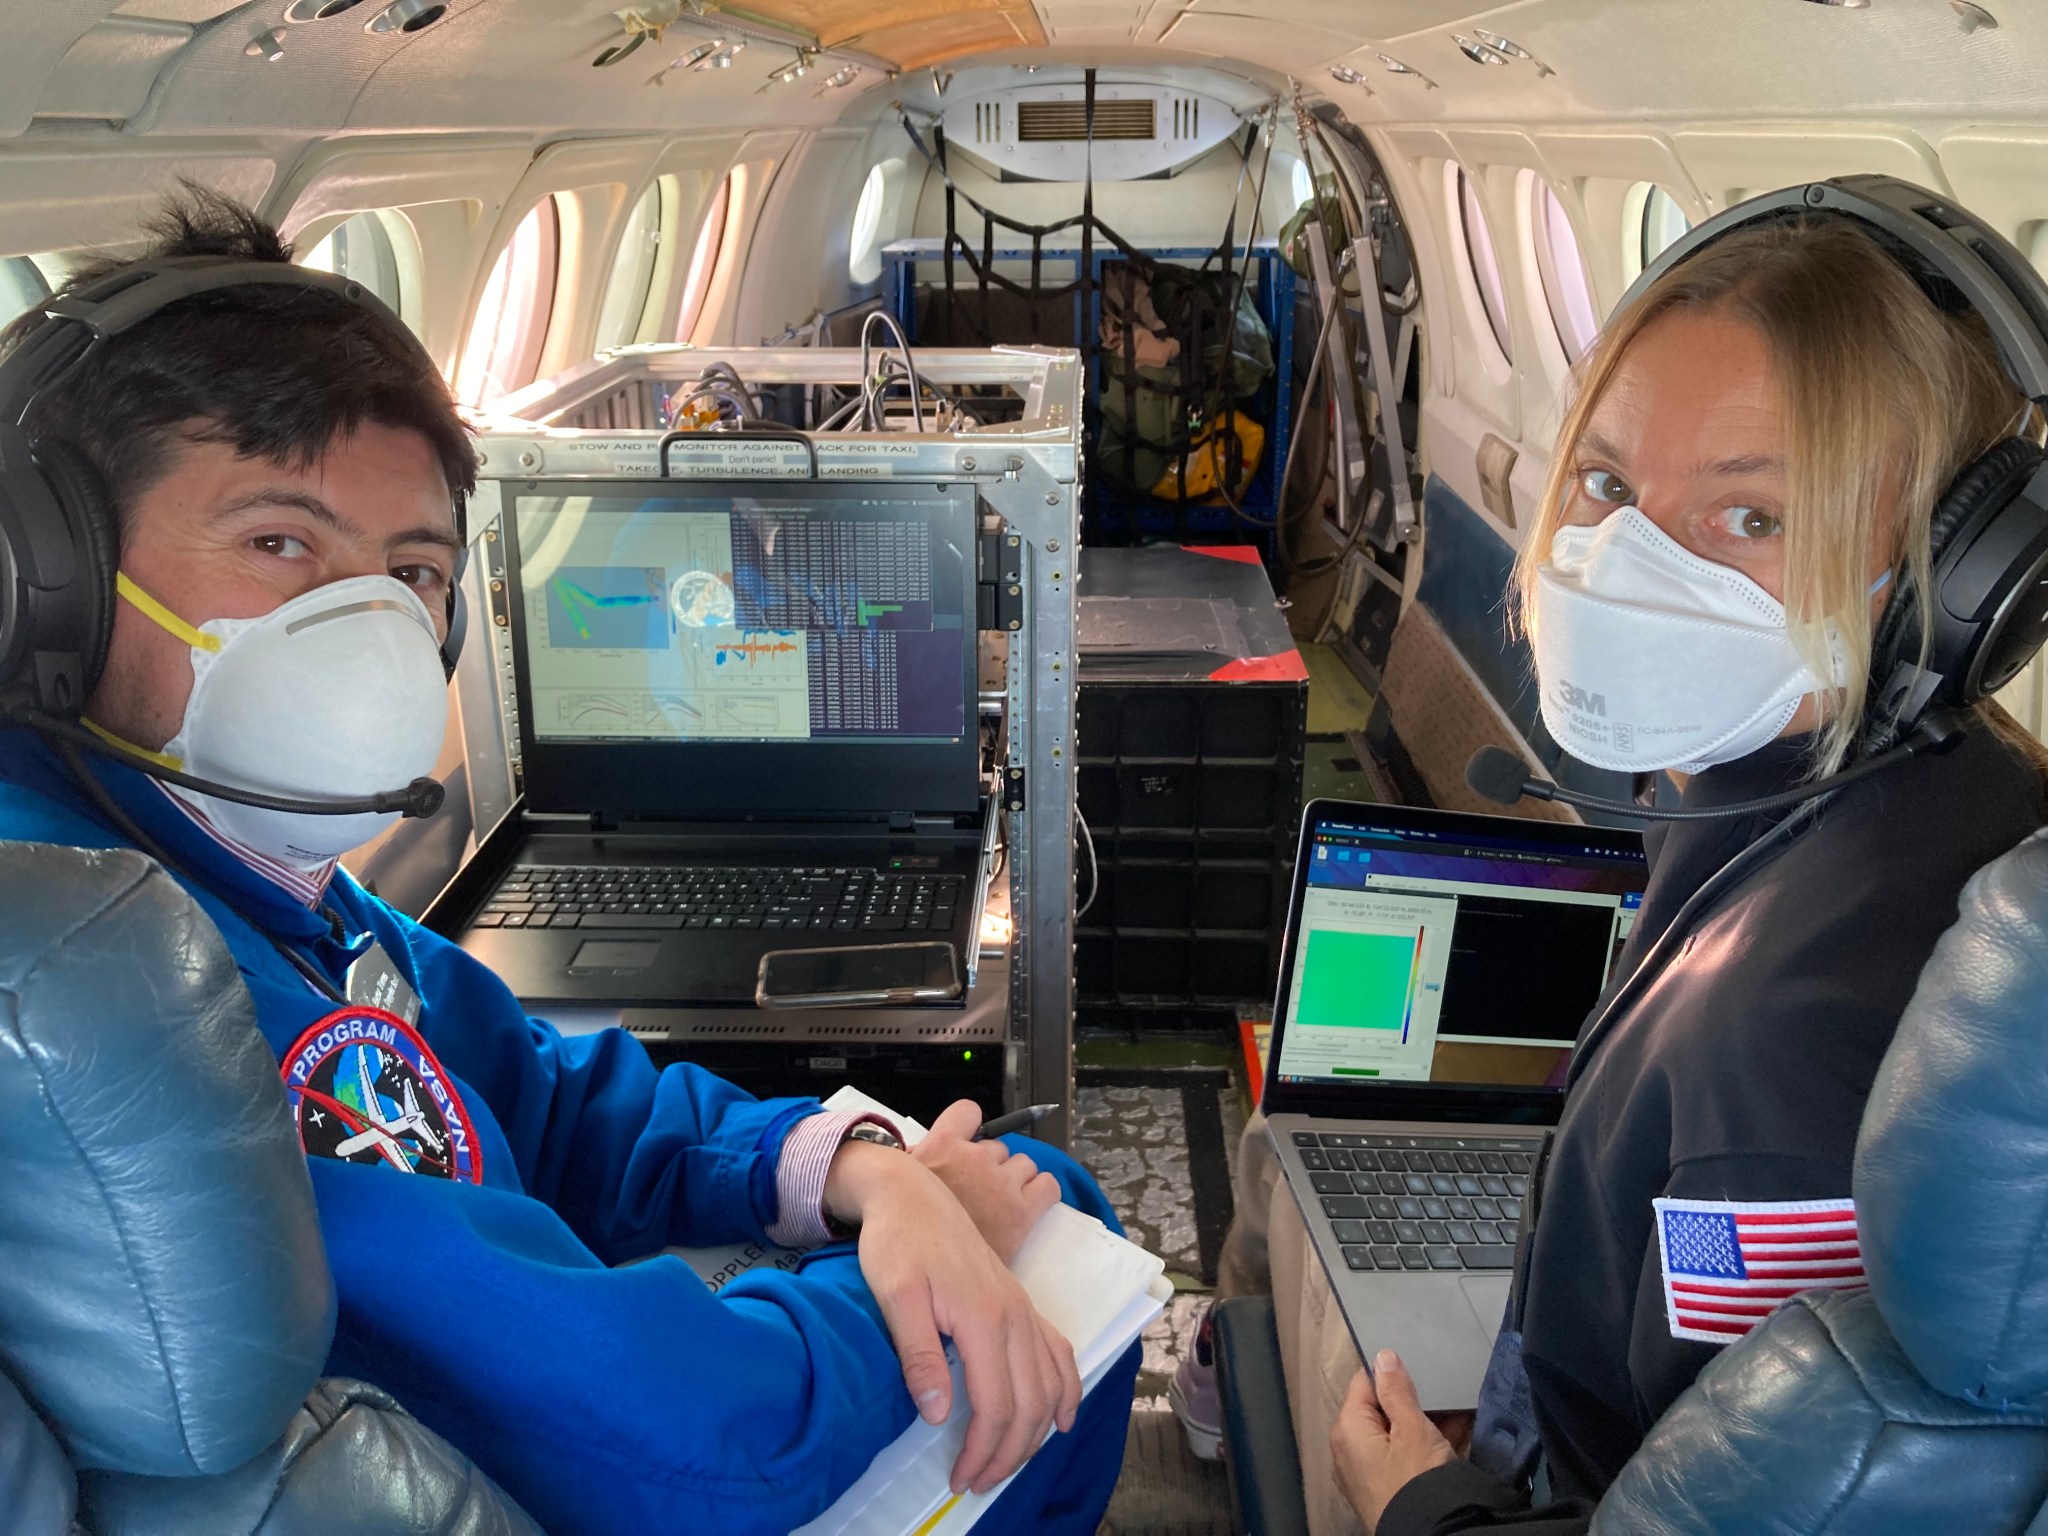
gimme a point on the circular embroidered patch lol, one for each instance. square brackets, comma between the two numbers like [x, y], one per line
[365, 1088]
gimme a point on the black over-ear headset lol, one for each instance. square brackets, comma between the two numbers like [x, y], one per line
[59, 539]
[1988, 580]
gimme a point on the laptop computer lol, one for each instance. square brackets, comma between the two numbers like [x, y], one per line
[1436, 970]
[748, 721]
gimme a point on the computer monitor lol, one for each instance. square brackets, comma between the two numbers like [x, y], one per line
[691, 647]
[1433, 949]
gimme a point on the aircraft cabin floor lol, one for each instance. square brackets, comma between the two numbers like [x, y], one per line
[1157, 1120]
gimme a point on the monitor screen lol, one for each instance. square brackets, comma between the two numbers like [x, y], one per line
[692, 648]
[767, 617]
[1459, 952]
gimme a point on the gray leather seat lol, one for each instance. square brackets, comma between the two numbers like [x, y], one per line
[165, 1302]
[1920, 1405]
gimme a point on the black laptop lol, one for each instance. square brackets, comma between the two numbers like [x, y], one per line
[748, 721]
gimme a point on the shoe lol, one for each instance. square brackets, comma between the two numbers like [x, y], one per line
[1192, 1392]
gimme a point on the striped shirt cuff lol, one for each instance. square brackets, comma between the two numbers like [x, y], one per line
[807, 1153]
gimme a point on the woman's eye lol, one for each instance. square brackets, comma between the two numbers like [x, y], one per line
[283, 545]
[1749, 523]
[1604, 485]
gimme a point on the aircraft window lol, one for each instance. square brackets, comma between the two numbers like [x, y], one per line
[863, 260]
[1564, 272]
[22, 287]
[1663, 222]
[631, 285]
[1485, 265]
[1301, 183]
[361, 248]
[704, 259]
[503, 350]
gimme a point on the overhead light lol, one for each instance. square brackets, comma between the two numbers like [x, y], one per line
[840, 78]
[317, 10]
[1396, 67]
[1476, 51]
[1512, 49]
[794, 70]
[1970, 16]
[1344, 74]
[269, 47]
[407, 16]
[1847, 5]
[721, 55]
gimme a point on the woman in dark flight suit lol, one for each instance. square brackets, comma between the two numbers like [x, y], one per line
[1767, 429]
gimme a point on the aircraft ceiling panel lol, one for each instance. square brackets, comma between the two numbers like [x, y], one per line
[190, 12]
[36, 42]
[1091, 21]
[909, 33]
[1282, 44]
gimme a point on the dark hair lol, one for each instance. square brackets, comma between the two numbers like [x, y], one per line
[278, 373]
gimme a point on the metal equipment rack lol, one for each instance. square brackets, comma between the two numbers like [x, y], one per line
[607, 419]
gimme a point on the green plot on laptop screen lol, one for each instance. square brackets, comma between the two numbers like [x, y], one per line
[1358, 980]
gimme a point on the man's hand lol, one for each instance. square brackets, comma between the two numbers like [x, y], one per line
[1002, 1190]
[1382, 1438]
[932, 1274]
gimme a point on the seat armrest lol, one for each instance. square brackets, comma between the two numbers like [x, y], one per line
[1258, 1428]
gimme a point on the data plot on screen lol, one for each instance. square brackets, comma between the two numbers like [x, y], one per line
[609, 608]
[1359, 980]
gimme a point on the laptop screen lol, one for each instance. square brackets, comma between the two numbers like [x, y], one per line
[1447, 950]
[790, 646]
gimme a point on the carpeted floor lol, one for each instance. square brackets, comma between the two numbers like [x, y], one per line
[1162, 1141]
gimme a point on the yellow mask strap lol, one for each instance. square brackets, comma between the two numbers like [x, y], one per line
[161, 759]
[198, 639]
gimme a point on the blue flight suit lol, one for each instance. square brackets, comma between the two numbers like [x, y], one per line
[607, 1401]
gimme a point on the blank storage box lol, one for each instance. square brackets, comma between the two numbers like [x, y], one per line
[1192, 705]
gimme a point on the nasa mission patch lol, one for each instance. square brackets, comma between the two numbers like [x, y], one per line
[365, 1088]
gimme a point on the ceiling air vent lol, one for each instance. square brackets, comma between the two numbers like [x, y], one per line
[1066, 122]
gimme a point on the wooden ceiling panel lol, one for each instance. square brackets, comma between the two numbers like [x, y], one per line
[908, 33]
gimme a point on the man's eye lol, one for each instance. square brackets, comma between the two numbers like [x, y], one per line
[1749, 523]
[1604, 485]
[424, 578]
[283, 545]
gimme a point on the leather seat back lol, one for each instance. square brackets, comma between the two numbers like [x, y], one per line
[1922, 1404]
[164, 1293]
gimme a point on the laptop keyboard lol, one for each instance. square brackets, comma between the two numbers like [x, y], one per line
[1420, 1202]
[830, 900]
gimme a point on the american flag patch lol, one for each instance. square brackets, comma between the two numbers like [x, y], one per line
[1728, 1264]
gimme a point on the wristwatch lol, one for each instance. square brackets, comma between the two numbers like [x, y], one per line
[882, 1136]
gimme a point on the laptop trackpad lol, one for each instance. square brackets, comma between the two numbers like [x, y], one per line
[612, 957]
[1488, 1297]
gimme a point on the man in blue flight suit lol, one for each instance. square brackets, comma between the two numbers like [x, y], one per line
[283, 467]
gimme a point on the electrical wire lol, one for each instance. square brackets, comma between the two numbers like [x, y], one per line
[871, 399]
[1094, 870]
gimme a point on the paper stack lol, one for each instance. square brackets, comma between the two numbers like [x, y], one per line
[1095, 1287]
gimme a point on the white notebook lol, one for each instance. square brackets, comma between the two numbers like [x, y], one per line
[1098, 1289]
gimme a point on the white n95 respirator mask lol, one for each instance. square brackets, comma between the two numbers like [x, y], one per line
[1649, 657]
[338, 693]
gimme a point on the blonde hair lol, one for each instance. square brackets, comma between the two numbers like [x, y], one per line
[1883, 397]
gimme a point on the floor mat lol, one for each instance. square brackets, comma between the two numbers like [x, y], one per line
[1156, 1140]
[1337, 700]
[1165, 1490]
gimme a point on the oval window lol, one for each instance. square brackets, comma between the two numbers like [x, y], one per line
[360, 248]
[864, 244]
[1485, 264]
[631, 284]
[704, 259]
[511, 325]
[1563, 268]
[1663, 222]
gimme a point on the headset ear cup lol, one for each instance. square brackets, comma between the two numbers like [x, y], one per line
[1987, 483]
[89, 513]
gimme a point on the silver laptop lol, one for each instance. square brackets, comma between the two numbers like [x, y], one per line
[1436, 971]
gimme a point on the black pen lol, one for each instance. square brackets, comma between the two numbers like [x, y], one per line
[1016, 1120]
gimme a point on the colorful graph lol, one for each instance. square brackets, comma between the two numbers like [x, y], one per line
[750, 652]
[1358, 980]
[609, 608]
[869, 612]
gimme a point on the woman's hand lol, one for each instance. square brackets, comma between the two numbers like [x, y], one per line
[1382, 1438]
[932, 1274]
[1002, 1190]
